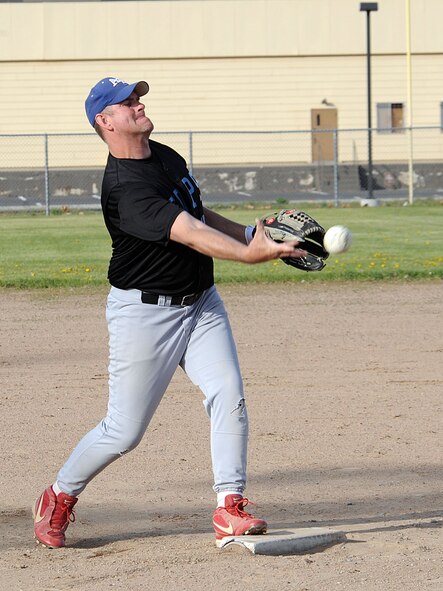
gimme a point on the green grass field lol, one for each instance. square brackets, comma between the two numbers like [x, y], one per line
[73, 249]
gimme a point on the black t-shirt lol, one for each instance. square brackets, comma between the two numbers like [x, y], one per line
[140, 201]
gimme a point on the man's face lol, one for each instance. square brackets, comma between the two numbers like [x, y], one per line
[129, 116]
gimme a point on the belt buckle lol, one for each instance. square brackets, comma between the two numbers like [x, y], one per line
[184, 298]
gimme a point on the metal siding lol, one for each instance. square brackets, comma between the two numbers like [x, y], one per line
[236, 94]
[50, 61]
[193, 29]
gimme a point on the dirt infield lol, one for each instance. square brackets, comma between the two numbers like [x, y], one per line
[344, 390]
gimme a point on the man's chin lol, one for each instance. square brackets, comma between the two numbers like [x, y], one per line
[147, 126]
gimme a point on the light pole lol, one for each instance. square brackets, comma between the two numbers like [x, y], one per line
[369, 7]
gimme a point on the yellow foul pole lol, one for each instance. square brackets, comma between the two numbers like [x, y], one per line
[409, 110]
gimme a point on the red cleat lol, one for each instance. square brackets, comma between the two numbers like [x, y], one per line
[233, 520]
[52, 514]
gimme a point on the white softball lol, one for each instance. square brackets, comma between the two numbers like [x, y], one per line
[337, 239]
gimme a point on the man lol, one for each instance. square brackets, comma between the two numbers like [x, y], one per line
[163, 311]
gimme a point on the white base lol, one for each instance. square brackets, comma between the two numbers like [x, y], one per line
[369, 202]
[286, 542]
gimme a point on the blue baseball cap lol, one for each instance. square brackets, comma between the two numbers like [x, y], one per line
[111, 91]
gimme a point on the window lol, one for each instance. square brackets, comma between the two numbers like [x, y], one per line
[390, 117]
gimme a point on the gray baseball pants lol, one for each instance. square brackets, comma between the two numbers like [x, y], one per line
[147, 343]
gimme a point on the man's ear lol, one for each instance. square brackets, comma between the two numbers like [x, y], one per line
[103, 121]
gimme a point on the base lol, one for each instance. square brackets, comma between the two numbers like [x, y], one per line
[286, 542]
[369, 202]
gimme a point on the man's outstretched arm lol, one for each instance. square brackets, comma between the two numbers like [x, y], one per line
[215, 243]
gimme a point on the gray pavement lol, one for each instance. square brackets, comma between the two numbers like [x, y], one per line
[92, 202]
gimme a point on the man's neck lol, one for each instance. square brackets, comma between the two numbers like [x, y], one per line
[134, 148]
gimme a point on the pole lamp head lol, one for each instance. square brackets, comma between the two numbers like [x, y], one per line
[368, 6]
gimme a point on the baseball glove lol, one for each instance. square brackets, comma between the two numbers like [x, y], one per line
[291, 224]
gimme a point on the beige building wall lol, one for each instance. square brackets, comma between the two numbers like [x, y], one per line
[222, 65]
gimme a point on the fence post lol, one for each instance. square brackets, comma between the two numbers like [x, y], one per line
[411, 168]
[191, 156]
[48, 210]
[335, 143]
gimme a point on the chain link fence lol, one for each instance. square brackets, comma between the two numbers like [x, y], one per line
[53, 171]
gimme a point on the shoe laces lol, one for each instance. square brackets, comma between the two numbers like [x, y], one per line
[238, 508]
[63, 513]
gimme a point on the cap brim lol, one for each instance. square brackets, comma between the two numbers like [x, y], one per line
[140, 88]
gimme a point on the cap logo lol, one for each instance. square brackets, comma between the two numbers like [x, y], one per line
[115, 81]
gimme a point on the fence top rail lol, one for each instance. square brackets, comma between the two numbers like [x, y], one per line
[239, 131]
[43, 134]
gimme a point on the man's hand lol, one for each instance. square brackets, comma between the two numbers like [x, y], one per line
[261, 248]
